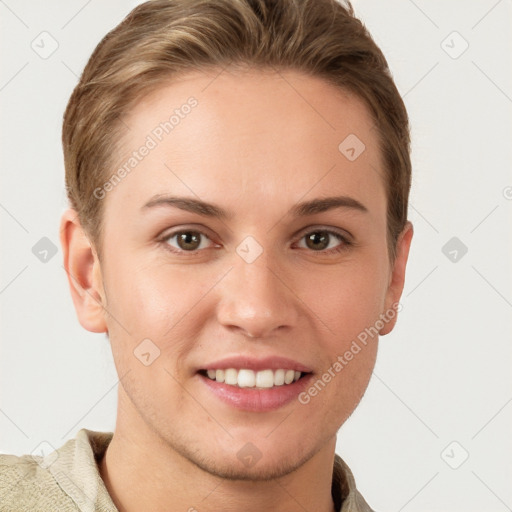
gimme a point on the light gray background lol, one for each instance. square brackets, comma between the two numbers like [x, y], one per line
[443, 375]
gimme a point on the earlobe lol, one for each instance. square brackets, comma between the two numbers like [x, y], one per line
[83, 272]
[397, 279]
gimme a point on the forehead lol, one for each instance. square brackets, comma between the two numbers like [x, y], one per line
[251, 136]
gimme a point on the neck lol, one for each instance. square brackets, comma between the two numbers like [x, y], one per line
[142, 472]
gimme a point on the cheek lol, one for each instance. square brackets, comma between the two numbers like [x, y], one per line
[346, 300]
[140, 301]
[147, 335]
[156, 302]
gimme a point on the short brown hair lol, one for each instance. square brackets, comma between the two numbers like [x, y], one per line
[161, 38]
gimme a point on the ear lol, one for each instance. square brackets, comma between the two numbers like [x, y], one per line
[397, 278]
[83, 269]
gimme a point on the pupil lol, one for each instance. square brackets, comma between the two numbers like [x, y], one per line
[314, 238]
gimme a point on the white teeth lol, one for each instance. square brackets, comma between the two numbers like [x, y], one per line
[245, 378]
[265, 379]
[231, 376]
[279, 377]
[289, 376]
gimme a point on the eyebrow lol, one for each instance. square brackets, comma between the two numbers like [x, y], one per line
[211, 210]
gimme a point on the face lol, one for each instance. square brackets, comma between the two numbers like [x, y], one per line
[221, 251]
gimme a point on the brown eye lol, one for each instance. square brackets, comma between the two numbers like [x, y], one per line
[318, 240]
[186, 241]
[325, 241]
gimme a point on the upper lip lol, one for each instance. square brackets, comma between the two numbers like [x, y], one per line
[253, 363]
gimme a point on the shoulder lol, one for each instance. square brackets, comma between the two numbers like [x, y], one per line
[344, 481]
[65, 479]
[25, 484]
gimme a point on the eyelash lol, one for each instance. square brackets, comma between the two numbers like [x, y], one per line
[345, 245]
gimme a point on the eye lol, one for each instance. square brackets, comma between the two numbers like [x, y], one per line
[323, 240]
[186, 241]
[192, 241]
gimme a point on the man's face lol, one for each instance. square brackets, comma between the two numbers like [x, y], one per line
[263, 282]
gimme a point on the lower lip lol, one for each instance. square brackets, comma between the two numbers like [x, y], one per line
[257, 400]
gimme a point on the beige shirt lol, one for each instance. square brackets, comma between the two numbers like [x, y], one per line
[68, 479]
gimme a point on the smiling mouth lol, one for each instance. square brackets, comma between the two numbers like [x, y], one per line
[246, 378]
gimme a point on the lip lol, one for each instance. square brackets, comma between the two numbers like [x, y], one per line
[256, 400]
[251, 363]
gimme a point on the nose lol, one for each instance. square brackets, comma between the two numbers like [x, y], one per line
[257, 299]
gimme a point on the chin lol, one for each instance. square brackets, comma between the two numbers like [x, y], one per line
[262, 470]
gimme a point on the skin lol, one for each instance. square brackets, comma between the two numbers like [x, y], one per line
[253, 140]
